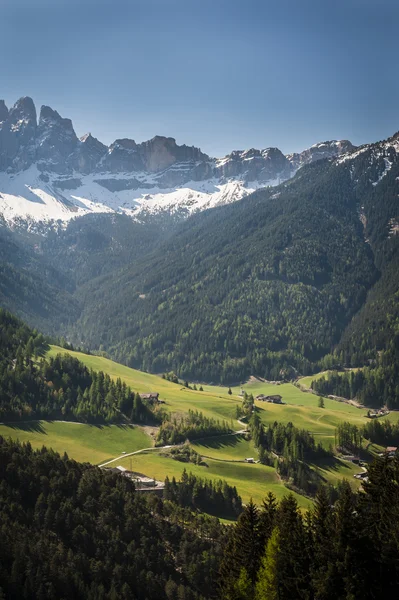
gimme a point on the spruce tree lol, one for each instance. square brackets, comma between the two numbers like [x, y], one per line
[267, 586]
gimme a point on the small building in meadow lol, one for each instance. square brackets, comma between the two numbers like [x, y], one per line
[275, 398]
[391, 450]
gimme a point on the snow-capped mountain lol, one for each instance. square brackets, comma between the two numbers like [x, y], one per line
[49, 175]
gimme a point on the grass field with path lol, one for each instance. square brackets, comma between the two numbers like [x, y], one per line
[251, 480]
[99, 444]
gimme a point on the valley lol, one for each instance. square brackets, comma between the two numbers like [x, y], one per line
[224, 457]
[199, 300]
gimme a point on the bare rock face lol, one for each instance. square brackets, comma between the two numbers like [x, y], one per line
[17, 135]
[122, 157]
[162, 152]
[3, 112]
[261, 165]
[56, 140]
[88, 154]
[330, 149]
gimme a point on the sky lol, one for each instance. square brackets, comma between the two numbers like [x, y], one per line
[217, 74]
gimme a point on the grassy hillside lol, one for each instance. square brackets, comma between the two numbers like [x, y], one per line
[224, 455]
[302, 409]
[251, 480]
[214, 402]
[85, 443]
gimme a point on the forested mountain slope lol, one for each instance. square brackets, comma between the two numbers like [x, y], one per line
[32, 287]
[267, 285]
[40, 274]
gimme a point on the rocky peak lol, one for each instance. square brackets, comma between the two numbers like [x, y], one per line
[3, 111]
[161, 152]
[88, 154]
[23, 113]
[265, 165]
[90, 142]
[17, 135]
[122, 156]
[56, 139]
[124, 143]
[51, 120]
[328, 149]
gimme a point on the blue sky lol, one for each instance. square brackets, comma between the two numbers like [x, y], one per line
[220, 74]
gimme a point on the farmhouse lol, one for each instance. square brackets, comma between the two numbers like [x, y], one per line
[391, 450]
[275, 399]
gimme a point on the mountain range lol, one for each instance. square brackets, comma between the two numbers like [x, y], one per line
[301, 273]
[48, 175]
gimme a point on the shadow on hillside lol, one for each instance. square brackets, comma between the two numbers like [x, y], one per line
[30, 426]
[330, 463]
[220, 442]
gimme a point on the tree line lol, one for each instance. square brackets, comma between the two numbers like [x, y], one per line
[213, 497]
[375, 385]
[178, 428]
[60, 387]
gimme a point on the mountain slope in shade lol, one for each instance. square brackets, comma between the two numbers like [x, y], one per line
[48, 175]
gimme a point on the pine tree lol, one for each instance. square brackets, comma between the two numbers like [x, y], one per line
[267, 518]
[243, 551]
[323, 557]
[293, 570]
[267, 586]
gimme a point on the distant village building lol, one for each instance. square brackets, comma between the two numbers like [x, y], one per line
[374, 414]
[250, 460]
[275, 399]
[391, 450]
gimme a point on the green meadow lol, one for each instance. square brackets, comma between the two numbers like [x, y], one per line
[214, 403]
[251, 480]
[84, 443]
[224, 455]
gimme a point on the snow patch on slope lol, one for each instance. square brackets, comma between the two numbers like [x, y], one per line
[46, 198]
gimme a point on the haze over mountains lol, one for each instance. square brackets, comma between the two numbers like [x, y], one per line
[48, 174]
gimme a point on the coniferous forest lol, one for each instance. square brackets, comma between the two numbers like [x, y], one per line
[70, 530]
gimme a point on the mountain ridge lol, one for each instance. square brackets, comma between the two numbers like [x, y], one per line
[70, 176]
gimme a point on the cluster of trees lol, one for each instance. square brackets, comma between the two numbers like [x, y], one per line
[213, 497]
[178, 428]
[348, 437]
[73, 531]
[171, 376]
[374, 386]
[247, 406]
[60, 387]
[341, 551]
[383, 433]
[287, 440]
[287, 448]
[185, 453]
